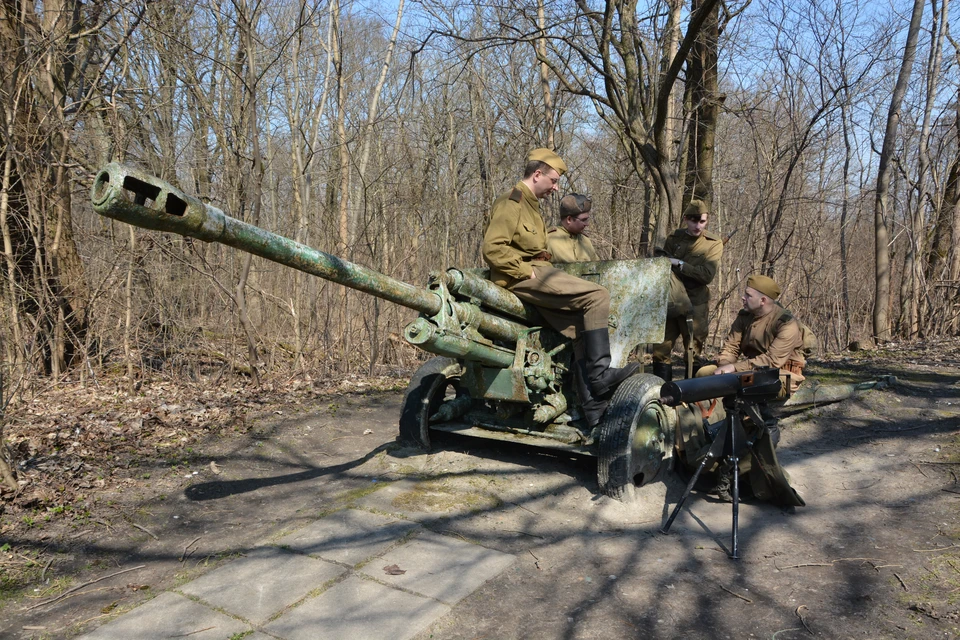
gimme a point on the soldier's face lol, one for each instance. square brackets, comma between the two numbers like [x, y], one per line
[545, 183]
[752, 300]
[576, 224]
[696, 224]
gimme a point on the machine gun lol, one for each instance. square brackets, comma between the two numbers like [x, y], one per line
[499, 373]
[741, 392]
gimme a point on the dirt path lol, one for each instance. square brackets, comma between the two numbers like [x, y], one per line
[875, 553]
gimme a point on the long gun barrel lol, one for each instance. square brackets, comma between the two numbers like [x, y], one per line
[132, 196]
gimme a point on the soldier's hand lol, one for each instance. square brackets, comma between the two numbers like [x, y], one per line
[727, 368]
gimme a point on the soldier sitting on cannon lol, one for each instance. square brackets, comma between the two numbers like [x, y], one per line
[568, 242]
[515, 247]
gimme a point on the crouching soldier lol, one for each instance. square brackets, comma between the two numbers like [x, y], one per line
[764, 334]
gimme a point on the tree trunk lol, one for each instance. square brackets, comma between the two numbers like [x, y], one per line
[343, 154]
[942, 266]
[919, 297]
[705, 105]
[128, 310]
[844, 222]
[541, 45]
[254, 184]
[881, 212]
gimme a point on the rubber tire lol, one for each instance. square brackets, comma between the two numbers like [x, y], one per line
[621, 458]
[424, 394]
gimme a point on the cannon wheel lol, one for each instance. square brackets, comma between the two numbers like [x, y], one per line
[437, 379]
[634, 436]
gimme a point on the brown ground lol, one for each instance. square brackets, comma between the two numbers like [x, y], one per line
[177, 479]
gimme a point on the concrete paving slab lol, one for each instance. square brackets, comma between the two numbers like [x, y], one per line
[430, 500]
[348, 536]
[263, 583]
[358, 609]
[170, 615]
[440, 567]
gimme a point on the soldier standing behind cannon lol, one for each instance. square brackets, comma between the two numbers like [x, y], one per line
[515, 247]
[567, 242]
[694, 256]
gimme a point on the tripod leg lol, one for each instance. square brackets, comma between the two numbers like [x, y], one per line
[735, 551]
[686, 493]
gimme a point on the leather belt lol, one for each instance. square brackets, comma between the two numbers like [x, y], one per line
[543, 255]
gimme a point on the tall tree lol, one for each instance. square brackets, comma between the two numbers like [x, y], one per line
[704, 100]
[918, 299]
[881, 210]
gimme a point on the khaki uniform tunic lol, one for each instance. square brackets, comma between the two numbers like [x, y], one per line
[773, 340]
[567, 247]
[514, 237]
[701, 259]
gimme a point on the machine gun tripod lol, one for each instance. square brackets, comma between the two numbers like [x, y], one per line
[740, 392]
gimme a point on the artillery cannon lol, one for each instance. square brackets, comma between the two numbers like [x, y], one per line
[498, 373]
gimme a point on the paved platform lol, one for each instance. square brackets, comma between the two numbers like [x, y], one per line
[352, 574]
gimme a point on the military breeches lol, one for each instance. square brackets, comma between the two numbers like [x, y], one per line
[569, 304]
[677, 327]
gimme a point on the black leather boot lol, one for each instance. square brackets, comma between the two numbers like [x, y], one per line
[663, 370]
[603, 378]
[592, 408]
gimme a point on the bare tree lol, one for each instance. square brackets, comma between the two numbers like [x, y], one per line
[942, 268]
[917, 297]
[45, 51]
[703, 100]
[881, 307]
[633, 95]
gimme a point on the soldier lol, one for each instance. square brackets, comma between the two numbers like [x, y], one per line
[568, 243]
[694, 256]
[764, 334]
[515, 247]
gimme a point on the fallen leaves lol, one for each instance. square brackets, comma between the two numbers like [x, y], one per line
[70, 442]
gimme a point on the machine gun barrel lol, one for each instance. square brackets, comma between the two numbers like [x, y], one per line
[761, 384]
[132, 196]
